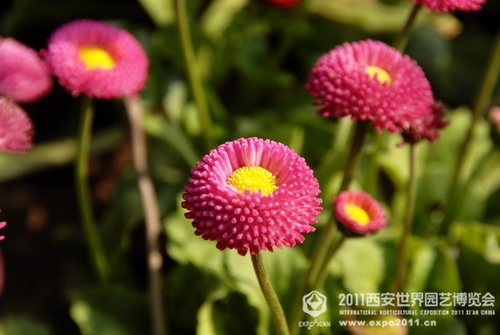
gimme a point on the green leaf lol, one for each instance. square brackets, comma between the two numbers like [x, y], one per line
[478, 250]
[170, 133]
[360, 264]
[187, 248]
[422, 258]
[161, 11]
[444, 276]
[219, 15]
[113, 310]
[22, 326]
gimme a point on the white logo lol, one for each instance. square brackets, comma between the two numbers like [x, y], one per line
[314, 303]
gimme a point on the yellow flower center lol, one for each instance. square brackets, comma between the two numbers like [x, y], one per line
[95, 57]
[253, 178]
[382, 75]
[357, 214]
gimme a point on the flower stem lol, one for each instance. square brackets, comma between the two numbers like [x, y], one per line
[354, 154]
[321, 277]
[320, 251]
[194, 73]
[149, 202]
[325, 240]
[93, 240]
[270, 295]
[402, 38]
[411, 191]
[483, 99]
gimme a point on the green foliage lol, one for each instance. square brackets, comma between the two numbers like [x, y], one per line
[253, 60]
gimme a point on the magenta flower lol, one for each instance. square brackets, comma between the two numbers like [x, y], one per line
[358, 213]
[252, 194]
[97, 59]
[16, 130]
[452, 5]
[23, 75]
[2, 225]
[428, 126]
[370, 80]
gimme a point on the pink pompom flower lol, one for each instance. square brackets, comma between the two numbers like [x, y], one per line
[24, 77]
[357, 213]
[97, 59]
[252, 194]
[369, 80]
[452, 5]
[16, 129]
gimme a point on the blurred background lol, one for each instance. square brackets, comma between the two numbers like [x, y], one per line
[254, 58]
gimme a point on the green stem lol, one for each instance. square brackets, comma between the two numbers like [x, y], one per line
[270, 295]
[481, 104]
[402, 38]
[320, 251]
[194, 73]
[149, 201]
[411, 191]
[94, 243]
[321, 277]
[354, 154]
[400, 44]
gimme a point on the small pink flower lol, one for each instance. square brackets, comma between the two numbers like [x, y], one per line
[252, 194]
[428, 126]
[358, 213]
[16, 130]
[452, 5]
[23, 75]
[97, 59]
[370, 80]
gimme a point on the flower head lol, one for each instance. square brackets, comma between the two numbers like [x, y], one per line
[16, 130]
[370, 80]
[97, 59]
[252, 194]
[358, 213]
[428, 126]
[24, 77]
[452, 5]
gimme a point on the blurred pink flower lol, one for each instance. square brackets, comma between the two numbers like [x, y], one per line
[494, 115]
[369, 80]
[16, 130]
[284, 3]
[97, 59]
[252, 194]
[428, 126]
[2, 225]
[452, 5]
[358, 213]
[23, 75]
